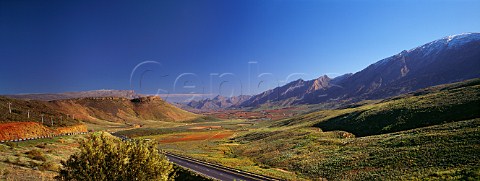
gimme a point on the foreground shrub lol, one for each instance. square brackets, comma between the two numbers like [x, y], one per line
[103, 157]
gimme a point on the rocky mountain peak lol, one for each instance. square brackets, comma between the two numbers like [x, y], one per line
[321, 82]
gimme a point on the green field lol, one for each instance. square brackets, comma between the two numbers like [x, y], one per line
[429, 134]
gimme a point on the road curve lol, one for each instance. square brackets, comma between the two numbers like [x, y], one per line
[214, 171]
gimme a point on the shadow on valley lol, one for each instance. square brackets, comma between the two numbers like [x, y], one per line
[428, 107]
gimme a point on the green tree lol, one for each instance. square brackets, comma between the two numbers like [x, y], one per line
[104, 157]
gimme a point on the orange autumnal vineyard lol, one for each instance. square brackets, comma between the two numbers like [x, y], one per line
[24, 130]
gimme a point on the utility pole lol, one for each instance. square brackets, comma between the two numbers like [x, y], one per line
[42, 117]
[9, 107]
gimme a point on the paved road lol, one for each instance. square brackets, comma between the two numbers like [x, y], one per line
[213, 171]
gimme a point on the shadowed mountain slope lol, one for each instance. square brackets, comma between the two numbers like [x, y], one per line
[447, 60]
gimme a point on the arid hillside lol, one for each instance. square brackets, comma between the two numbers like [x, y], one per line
[15, 110]
[74, 111]
[121, 110]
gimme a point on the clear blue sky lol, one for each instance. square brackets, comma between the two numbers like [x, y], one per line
[58, 46]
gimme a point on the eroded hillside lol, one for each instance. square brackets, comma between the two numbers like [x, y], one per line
[121, 110]
[73, 111]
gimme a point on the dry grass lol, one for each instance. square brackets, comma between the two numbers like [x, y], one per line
[36, 159]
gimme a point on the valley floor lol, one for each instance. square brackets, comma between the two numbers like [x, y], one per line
[448, 151]
[431, 134]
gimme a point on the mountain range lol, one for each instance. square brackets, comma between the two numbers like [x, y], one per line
[449, 59]
[217, 103]
[446, 60]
